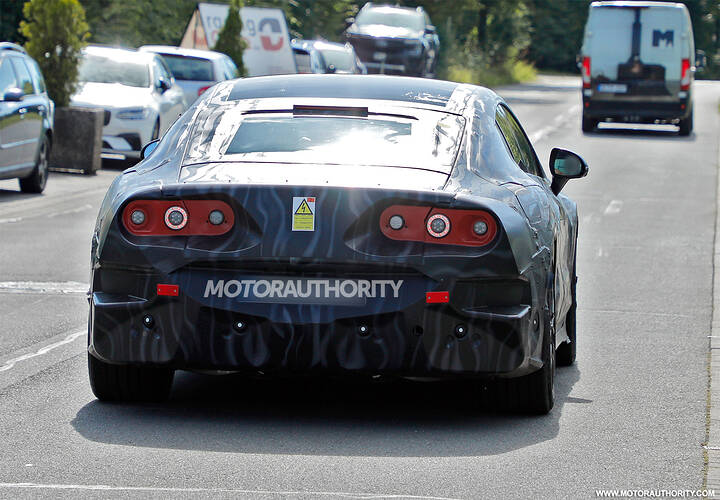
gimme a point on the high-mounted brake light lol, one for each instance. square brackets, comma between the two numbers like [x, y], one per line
[473, 228]
[686, 74]
[178, 218]
[586, 75]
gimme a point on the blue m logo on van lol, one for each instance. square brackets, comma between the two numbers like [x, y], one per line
[668, 37]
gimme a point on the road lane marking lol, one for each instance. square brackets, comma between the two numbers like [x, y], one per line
[11, 220]
[557, 123]
[104, 487]
[82, 208]
[613, 207]
[41, 287]
[10, 364]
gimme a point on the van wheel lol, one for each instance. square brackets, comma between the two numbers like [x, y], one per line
[686, 125]
[129, 383]
[588, 124]
[38, 179]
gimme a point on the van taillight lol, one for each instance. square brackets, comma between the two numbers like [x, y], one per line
[586, 78]
[685, 75]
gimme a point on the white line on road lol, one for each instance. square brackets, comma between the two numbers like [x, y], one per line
[558, 122]
[60, 287]
[48, 215]
[613, 207]
[103, 487]
[9, 364]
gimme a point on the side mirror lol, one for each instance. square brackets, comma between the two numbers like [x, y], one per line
[13, 95]
[700, 60]
[163, 85]
[565, 165]
[349, 21]
[149, 148]
[430, 29]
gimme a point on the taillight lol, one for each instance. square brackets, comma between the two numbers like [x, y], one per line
[178, 218]
[439, 226]
[586, 75]
[685, 75]
[201, 90]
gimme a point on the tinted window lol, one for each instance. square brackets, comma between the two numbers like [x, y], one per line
[95, 68]
[429, 141]
[37, 75]
[190, 68]
[520, 147]
[231, 70]
[162, 72]
[341, 59]
[24, 81]
[396, 18]
[7, 76]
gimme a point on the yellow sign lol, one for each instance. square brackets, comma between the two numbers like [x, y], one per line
[303, 213]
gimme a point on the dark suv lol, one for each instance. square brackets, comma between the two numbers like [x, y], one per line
[26, 119]
[394, 40]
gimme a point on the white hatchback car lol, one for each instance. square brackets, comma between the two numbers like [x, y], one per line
[195, 70]
[138, 93]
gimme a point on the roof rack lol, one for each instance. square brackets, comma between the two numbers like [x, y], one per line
[12, 46]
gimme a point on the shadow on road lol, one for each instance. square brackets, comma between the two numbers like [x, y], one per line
[664, 133]
[320, 417]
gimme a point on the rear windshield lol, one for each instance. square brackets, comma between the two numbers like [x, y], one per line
[99, 69]
[189, 68]
[429, 140]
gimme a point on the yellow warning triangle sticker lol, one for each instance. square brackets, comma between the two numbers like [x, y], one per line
[303, 209]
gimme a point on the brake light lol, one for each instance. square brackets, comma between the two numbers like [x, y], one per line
[201, 90]
[685, 75]
[178, 218]
[586, 75]
[473, 228]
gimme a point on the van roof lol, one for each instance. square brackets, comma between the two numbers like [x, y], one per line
[637, 4]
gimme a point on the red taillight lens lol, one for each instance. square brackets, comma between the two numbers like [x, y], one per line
[473, 228]
[685, 75]
[201, 90]
[178, 218]
[586, 75]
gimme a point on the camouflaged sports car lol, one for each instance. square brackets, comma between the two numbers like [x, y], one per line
[334, 225]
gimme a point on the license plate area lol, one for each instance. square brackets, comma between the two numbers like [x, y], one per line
[380, 56]
[613, 88]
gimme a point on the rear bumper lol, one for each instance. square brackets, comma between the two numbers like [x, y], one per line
[418, 340]
[636, 111]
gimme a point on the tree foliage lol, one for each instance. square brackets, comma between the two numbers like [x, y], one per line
[229, 41]
[56, 33]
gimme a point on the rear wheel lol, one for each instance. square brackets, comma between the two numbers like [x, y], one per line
[38, 179]
[129, 382]
[686, 125]
[589, 124]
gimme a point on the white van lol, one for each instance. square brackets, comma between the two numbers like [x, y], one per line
[638, 64]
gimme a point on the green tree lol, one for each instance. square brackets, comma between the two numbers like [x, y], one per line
[56, 33]
[230, 40]
[10, 16]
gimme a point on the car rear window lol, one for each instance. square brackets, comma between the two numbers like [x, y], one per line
[190, 68]
[428, 140]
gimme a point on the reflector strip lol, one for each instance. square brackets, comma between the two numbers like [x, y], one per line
[168, 290]
[437, 297]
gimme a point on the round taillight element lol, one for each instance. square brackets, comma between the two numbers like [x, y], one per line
[397, 222]
[480, 227]
[216, 217]
[438, 225]
[176, 218]
[137, 217]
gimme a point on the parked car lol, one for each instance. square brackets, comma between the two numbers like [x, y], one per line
[137, 91]
[26, 120]
[307, 58]
[338, 225]
[638, 64]
[394, 40]
[195, 70]
[319, 56]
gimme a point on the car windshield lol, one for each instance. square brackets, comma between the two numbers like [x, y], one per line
[341, 59]
[100, 69]
[429, 140]
[189, 68]
[392, 17]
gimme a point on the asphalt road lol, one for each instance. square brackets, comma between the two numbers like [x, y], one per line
[630, 414]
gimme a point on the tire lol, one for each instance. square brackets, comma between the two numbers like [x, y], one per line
[567, 351]
[589, 124]
[128, 382]
[37, 181]
[686, 125]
